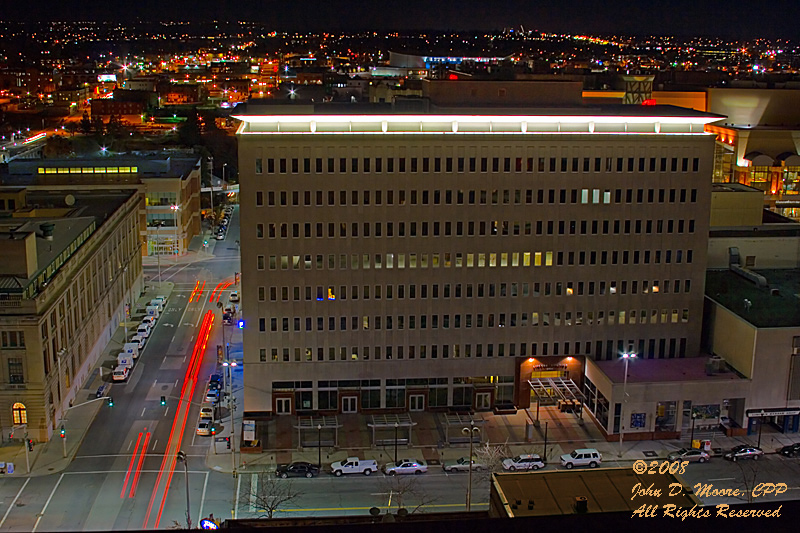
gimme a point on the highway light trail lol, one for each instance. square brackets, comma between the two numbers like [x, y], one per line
[198, 291]
[179, 423]
[213, 293]
[130, 466]
[196, 285]
[139, 465]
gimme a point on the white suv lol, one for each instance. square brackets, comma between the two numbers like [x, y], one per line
[582, 457]
[523, 462]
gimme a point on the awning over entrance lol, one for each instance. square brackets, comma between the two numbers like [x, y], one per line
[557, 391]
[455, 423]
[312, 429]
[398, 426]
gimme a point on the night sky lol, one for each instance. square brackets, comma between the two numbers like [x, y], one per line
[731, 18]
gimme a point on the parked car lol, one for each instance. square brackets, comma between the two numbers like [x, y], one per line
[693, 455]
[743, 451]
[354, 465]
[207, 411]
[151, 320]
[212, 394]
[297, 469]
[220, 236]
[405, 466]
[204, 426]
[582, 457]
[526, 461]
[215, 380]
[462, 465]
[234, 296]
[792, 450]
[139, 340]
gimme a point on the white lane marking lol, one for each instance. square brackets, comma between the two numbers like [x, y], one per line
[143, 409]
[11, 505]
[203, 497]
[253, 492]
[166, 411]
[236, 502]
[52, 493]
[154, 444]
[176, 382]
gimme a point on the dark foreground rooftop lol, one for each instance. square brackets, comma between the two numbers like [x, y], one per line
[767, 308]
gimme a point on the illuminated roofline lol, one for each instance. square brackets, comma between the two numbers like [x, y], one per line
[530, 119]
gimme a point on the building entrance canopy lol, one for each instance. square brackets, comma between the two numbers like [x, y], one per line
[557, 391]
[308, 426]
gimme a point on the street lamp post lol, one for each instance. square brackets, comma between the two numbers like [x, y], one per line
[231, 408]
[396, 426]
[691, 438]
[319, 445]
[626, 357]
[760, 425]
[182, 458]
[470, 432]
[157, 251]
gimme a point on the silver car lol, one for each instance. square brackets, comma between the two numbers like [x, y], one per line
[462, 465]
[693, 455]
[405, 466]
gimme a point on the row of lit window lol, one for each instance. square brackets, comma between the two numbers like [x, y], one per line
[88, 170]
[477, 290]
[492, 320]
[481, 228]
[648, 348]
[476, 197]
[475, 164]
[480, 260]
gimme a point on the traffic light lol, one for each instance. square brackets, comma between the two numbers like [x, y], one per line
[213, 430]
[63, 432]
[30, 445]
[163, 400]
[228, 440]
[110, 401]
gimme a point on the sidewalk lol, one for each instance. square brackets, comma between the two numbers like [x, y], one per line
[55, 455]
[565, 432]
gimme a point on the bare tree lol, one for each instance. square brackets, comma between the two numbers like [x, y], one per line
[270, 494]
[748, 480]
[491, 457]
[405, 492]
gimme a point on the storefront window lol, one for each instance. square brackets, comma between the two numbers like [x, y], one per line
[791, 180]
[760, 178]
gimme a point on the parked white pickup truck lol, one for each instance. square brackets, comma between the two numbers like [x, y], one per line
[354, 465]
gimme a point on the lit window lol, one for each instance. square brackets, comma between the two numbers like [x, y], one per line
[19, 413]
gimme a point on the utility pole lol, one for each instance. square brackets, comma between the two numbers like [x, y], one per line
[470, 432]
[182, 458]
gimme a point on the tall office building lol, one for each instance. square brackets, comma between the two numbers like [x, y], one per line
[441, 258]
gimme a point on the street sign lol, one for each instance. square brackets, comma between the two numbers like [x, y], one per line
[638, 420]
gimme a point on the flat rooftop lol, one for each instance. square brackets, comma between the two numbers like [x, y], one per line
[553, 492]
[766, 310]
[643, 370]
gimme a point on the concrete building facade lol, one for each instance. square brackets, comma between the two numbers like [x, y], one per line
[72, 263]
[399, 261]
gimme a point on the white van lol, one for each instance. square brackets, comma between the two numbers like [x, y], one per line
[156, 303]
[143, 330]
[131, 348]
[121, 373]
[152, 310]
[138, 340]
